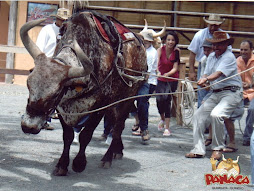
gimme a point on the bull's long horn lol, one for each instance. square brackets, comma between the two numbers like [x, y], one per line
[145, 28]
[87, 64]
[223, 158]
[162, 32]
[31, 47]
[236, 161]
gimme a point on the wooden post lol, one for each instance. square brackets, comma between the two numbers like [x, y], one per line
[182, 68]
[11, 39]
[176, 109]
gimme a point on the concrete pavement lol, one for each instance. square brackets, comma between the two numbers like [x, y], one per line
[26, 161]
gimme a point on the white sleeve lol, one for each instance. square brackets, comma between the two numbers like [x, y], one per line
[42, 39]
[152, 61]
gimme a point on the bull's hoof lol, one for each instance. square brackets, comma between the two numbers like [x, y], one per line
[117, 156]
[79, 164]
[105, 164]
[60, 172]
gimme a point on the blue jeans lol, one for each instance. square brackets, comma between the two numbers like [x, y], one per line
[252, 157]
[249, 122]
[142, 107]
[107, 124]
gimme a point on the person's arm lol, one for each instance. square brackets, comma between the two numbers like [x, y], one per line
[175, 66]
[173, 71]
[158, 60]
[192, 73]
[205, 78]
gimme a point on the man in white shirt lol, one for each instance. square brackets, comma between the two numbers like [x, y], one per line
[196, 50]
[47, 38]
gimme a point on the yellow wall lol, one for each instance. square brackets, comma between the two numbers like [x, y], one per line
[25, 61]
[4, 12]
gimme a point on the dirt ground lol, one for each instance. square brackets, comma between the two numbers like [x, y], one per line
[26, 161]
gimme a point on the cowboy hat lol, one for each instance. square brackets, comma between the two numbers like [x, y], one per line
[214, 19]
[220, 36]
[147, 36]
[62, 13]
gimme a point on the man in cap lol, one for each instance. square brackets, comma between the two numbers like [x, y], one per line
[47, 39]
[225, 97]
[148, 87]
[196, 50]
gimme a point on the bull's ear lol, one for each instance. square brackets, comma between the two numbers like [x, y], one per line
[76, 72]
[85, 61]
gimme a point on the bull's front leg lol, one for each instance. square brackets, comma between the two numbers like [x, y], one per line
[85, 136]
[63, 163]
[115, 151]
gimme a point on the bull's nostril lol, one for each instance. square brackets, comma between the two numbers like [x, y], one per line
[30, 130]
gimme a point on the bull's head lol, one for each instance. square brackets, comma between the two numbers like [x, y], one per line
[156, 36]
[47, 80]
[229, 163]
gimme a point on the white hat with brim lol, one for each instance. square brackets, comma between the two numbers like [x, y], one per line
[148, 36]
[62, 13]
[214, 19]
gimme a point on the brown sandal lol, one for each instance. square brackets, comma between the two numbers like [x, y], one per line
[135, 127]
[193, 155]
[137, 133]
[208, 142]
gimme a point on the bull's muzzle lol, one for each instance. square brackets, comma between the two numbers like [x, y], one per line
[29, 130]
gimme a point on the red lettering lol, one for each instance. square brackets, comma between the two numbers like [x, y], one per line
[245, 180]
[231, 179]
[223, 179]
[238, 179]
[209, 179]
[216, 179]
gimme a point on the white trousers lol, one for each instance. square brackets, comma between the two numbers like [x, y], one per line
[218, 106]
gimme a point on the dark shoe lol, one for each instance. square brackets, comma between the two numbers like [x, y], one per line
[103, 137]
[216, 155]
[47, 127]
[192, 155]
[228, 149]
[246, 143]
[137, 132]
[206, 131]
[135, 127]
[145, 135]
[208, 142]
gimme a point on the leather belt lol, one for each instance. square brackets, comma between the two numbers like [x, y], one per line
[232, 88]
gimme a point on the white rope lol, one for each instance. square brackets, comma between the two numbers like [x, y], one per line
[187, 102]
[134, 97]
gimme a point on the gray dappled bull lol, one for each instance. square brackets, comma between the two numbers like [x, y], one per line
[85, 73]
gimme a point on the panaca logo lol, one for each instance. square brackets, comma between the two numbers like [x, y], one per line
[226, 172]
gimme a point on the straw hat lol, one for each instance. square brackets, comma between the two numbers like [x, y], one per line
[214, 19]
[62, 13]
[147, 36]
[220, 36]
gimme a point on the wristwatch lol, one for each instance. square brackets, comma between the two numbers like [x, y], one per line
[207, 81]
